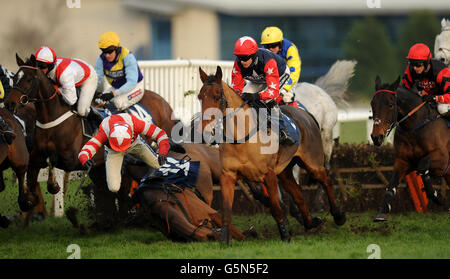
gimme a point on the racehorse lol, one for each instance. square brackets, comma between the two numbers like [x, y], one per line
[246, 160]
[16, 156]
[59, 133]
[421, 140]
[320, 100]
[442, 43]
[180, 214]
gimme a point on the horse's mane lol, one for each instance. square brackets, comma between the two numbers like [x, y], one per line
[410, 92]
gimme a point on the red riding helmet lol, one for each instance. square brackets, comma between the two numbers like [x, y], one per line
[245, 46]
[120, 136]
[419, 52]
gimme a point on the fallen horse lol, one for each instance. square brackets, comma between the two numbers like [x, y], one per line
[177, 209]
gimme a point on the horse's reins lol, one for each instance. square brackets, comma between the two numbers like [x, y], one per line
[33, 86]
[396, 123]
[224, 106]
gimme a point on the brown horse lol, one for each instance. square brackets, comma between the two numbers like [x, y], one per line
[421, 140]
[252, 160]
[15, 155]
[60, 143]
[180, 214]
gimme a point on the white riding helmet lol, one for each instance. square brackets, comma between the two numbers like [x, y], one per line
[46, 54]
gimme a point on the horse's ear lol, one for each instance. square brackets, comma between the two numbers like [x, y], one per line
[219, 75]
[396, 83]
[377, 83]
[33, 60]
[203, 75]
[443, 23]
[19, 60]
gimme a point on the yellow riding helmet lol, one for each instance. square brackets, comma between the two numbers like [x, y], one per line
[271, 35]
[108, 39]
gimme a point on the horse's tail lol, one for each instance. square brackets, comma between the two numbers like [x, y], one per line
[335, 82]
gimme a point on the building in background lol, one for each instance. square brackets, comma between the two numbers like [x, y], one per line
[194, 29]
[208, 29]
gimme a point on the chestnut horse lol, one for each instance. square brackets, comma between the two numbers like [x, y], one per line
[421, 140]
[62, 142]
[248, 160]
[14, 155]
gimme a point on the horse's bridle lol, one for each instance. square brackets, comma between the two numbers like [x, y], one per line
[34, 86]
[394, 123]
[223, 106]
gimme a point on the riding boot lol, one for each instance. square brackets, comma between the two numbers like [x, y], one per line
[285, 137]
[95, 117]
[7, 134]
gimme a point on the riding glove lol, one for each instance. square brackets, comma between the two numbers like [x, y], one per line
[429, 98]
[250, 97]
[89, 164]
[162, 159]
[107, 96]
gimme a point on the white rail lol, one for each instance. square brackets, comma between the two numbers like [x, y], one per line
[177, 80]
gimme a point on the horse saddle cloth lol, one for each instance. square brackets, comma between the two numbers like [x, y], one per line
[301, 106]
[292, 128]
[180, 172]
[137, 110]
[140, 112]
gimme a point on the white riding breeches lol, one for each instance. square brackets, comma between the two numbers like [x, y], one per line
[127, 99]
[443, 108]
[114, 159]
[87, 91]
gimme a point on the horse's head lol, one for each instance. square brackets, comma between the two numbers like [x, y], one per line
[442, 43]
[26, 84]
[211, 96]
[384, 109]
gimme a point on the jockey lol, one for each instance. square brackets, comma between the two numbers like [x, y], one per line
[272, 39]
[6, 82]
[430, 76]
[120, 135]
[70, 74]
[121, 70]
[265, 73]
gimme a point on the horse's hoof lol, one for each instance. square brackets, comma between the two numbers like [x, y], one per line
[225, 235]
[284, 234]
[436, 197]
[26, 205]
[4, 221]
[53, 188]
[381, 217]
[340, 219]
[315, 222]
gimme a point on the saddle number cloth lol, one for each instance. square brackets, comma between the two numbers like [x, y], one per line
[180, 172]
